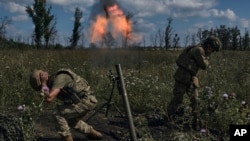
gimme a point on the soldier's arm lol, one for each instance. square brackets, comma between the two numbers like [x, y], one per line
[58, 84]
[52, 95]
[200, 58]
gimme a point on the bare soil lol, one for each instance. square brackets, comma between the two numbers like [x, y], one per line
[114, 127]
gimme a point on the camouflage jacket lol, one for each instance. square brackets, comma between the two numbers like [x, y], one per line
[73, 87]
[190, 61]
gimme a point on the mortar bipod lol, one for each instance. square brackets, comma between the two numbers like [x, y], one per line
[114, 79]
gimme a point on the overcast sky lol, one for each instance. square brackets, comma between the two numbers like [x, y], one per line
[150, 15]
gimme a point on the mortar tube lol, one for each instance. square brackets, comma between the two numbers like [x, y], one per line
[123, 92]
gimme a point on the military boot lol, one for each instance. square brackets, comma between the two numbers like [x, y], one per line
[68, 138]
[93, 134]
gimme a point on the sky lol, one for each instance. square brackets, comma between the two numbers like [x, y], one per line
[150, 16]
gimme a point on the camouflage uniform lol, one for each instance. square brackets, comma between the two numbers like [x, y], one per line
[189, 63]
[70, 113]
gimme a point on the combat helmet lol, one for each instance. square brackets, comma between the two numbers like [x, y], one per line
[214, 42]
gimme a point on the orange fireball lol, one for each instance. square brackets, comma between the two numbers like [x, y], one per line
[115, 22]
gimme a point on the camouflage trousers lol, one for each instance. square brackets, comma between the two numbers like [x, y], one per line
[179, 90]
[67, 116]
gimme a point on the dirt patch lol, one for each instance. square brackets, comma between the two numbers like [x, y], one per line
[114, 127]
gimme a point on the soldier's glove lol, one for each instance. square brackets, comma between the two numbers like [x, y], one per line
[196, 81]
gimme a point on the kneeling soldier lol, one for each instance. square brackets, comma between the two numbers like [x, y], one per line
[74, 92]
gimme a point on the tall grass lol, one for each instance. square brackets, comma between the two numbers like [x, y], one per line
[148, 77]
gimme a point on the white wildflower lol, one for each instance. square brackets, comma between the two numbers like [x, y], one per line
[243, 102]
[225, 95]
[20, 107]
[203, 130]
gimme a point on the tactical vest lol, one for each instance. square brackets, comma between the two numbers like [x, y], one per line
[75, 90]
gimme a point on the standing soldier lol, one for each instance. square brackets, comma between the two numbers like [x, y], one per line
[190, 61]
[74, 92]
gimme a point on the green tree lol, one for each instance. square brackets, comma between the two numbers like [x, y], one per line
[49, 28]
[246, 40]
[168, 33]
[76, 30]
[235, 37]
[224, 35]
[42, 20]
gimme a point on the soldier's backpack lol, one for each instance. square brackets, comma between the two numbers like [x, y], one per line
[183, 59]
[187, 62]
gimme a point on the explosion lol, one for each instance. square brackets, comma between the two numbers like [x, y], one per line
[113, 20]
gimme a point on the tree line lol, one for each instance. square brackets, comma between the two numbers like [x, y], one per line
[45, 32]
[231, 37]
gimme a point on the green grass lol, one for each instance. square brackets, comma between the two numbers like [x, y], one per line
[148, 78]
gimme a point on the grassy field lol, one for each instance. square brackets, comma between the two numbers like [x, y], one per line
[148, 78]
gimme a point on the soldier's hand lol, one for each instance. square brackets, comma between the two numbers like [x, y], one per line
[196, 81]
